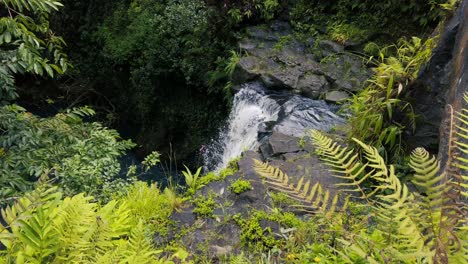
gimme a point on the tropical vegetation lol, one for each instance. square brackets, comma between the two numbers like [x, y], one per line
[159, 72]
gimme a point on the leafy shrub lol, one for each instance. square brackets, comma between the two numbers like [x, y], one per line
[241, 10]
[379, 115]
[192, 180]
[27, 44]
[79, 156]
[362, 18]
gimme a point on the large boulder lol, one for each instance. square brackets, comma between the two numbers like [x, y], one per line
[280, 61]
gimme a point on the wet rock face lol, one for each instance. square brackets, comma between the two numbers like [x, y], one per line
[311, 69]
[442, 81]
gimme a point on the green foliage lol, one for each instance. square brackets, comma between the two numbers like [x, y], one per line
[283, 41]
[281, 200]
[192, 180]
[79, 156]
[379, 115]
[410, 227]
[204, 206]
[230, 169]
[232, 62]
[43, 227]
[150, 206]
[165, 61]
[309, 197]
[253, 235]
[27, 45]
[240, 186]
[151, 160]
[342, 32]
[358, 20]
[240, 10]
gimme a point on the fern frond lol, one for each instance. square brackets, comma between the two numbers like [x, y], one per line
[345, 165]
[310, 198]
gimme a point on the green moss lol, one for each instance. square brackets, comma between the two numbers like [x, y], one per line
[282, 42]
[234, 164]
[209, 177]
[255, 237]
[204, 206]
[231, 169]
[240, 186]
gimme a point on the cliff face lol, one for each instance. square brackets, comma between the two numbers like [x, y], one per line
[458, 78]
[441, 84]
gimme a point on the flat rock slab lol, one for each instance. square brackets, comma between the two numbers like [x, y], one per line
[278, 144]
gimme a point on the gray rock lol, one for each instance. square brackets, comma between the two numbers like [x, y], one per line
[281, 143]
[441, 82]
[309, 167]
[336, 96]
[347, 72]
[312, 85]
[289, 65]
[261, 33]
[331, 47]
[246, 69]
[280, 27]
[282, 78]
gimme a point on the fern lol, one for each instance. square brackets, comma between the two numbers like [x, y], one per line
[345, 165]
[43, 228]
[410, 227]
[310, 198]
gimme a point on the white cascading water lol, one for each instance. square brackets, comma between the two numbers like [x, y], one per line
[253, 105]
[250, 108]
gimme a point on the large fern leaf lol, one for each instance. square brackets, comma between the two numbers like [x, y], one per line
[310, 197]
[345, 165]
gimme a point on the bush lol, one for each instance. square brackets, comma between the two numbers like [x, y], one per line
[80, 156]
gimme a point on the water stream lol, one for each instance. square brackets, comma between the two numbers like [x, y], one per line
[256, 113]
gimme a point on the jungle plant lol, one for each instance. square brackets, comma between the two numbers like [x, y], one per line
[27, 45]
[79, 156]
[241, 10]
[309, 198]
[204, 206]
[425, 226]
[192, 180]
[151, 160]
[232, 62]
[378, 114]
[175, 202]
[44, 227]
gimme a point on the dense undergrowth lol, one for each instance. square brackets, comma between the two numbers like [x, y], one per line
[64, 198]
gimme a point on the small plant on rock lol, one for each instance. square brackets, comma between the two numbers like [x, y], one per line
[240, 186]
[192, 180]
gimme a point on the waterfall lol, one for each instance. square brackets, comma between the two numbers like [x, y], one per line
[255, 109]
[251, 107]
